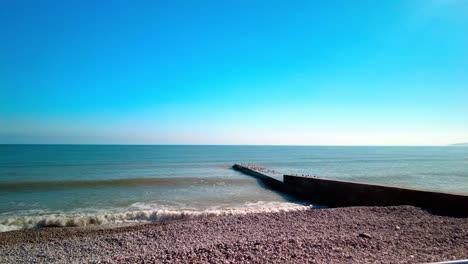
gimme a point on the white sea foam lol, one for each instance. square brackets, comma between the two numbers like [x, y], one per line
[147, 213]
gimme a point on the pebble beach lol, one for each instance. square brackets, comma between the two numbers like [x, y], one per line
[401, 234]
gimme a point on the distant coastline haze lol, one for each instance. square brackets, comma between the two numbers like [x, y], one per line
[460, 144]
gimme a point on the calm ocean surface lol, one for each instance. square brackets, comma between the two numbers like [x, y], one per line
[73, 185]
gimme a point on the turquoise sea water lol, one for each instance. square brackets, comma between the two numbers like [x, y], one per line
[72, 185]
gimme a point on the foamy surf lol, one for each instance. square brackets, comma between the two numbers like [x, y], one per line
[134, 216]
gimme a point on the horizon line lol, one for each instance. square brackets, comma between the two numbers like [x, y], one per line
[233, 145]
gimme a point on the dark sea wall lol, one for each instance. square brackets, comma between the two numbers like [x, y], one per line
[337, 193]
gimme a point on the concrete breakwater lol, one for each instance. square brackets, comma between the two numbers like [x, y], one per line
[270, 182]
[339, 193]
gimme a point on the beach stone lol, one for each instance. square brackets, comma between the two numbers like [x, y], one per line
[365, 235]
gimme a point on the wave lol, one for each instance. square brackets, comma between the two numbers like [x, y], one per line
[126, 182]
[149, 215]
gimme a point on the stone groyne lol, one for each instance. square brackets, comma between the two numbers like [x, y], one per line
[339, 193]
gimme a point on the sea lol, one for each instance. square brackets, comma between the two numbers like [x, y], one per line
[108, 185]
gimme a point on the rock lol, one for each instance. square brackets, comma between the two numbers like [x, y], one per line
[397, 228]
[365, 235]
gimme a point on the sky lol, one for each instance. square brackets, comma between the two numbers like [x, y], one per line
[234, 72]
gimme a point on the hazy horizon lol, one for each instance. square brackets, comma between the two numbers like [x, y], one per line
[340, 73]
[234, 145]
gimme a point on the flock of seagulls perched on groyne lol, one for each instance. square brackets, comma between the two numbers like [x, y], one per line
[259, 168]
[262, 169]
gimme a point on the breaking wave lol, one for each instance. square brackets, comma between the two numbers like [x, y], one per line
[147, 215]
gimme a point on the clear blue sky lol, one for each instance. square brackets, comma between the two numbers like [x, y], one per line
[234, 72]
